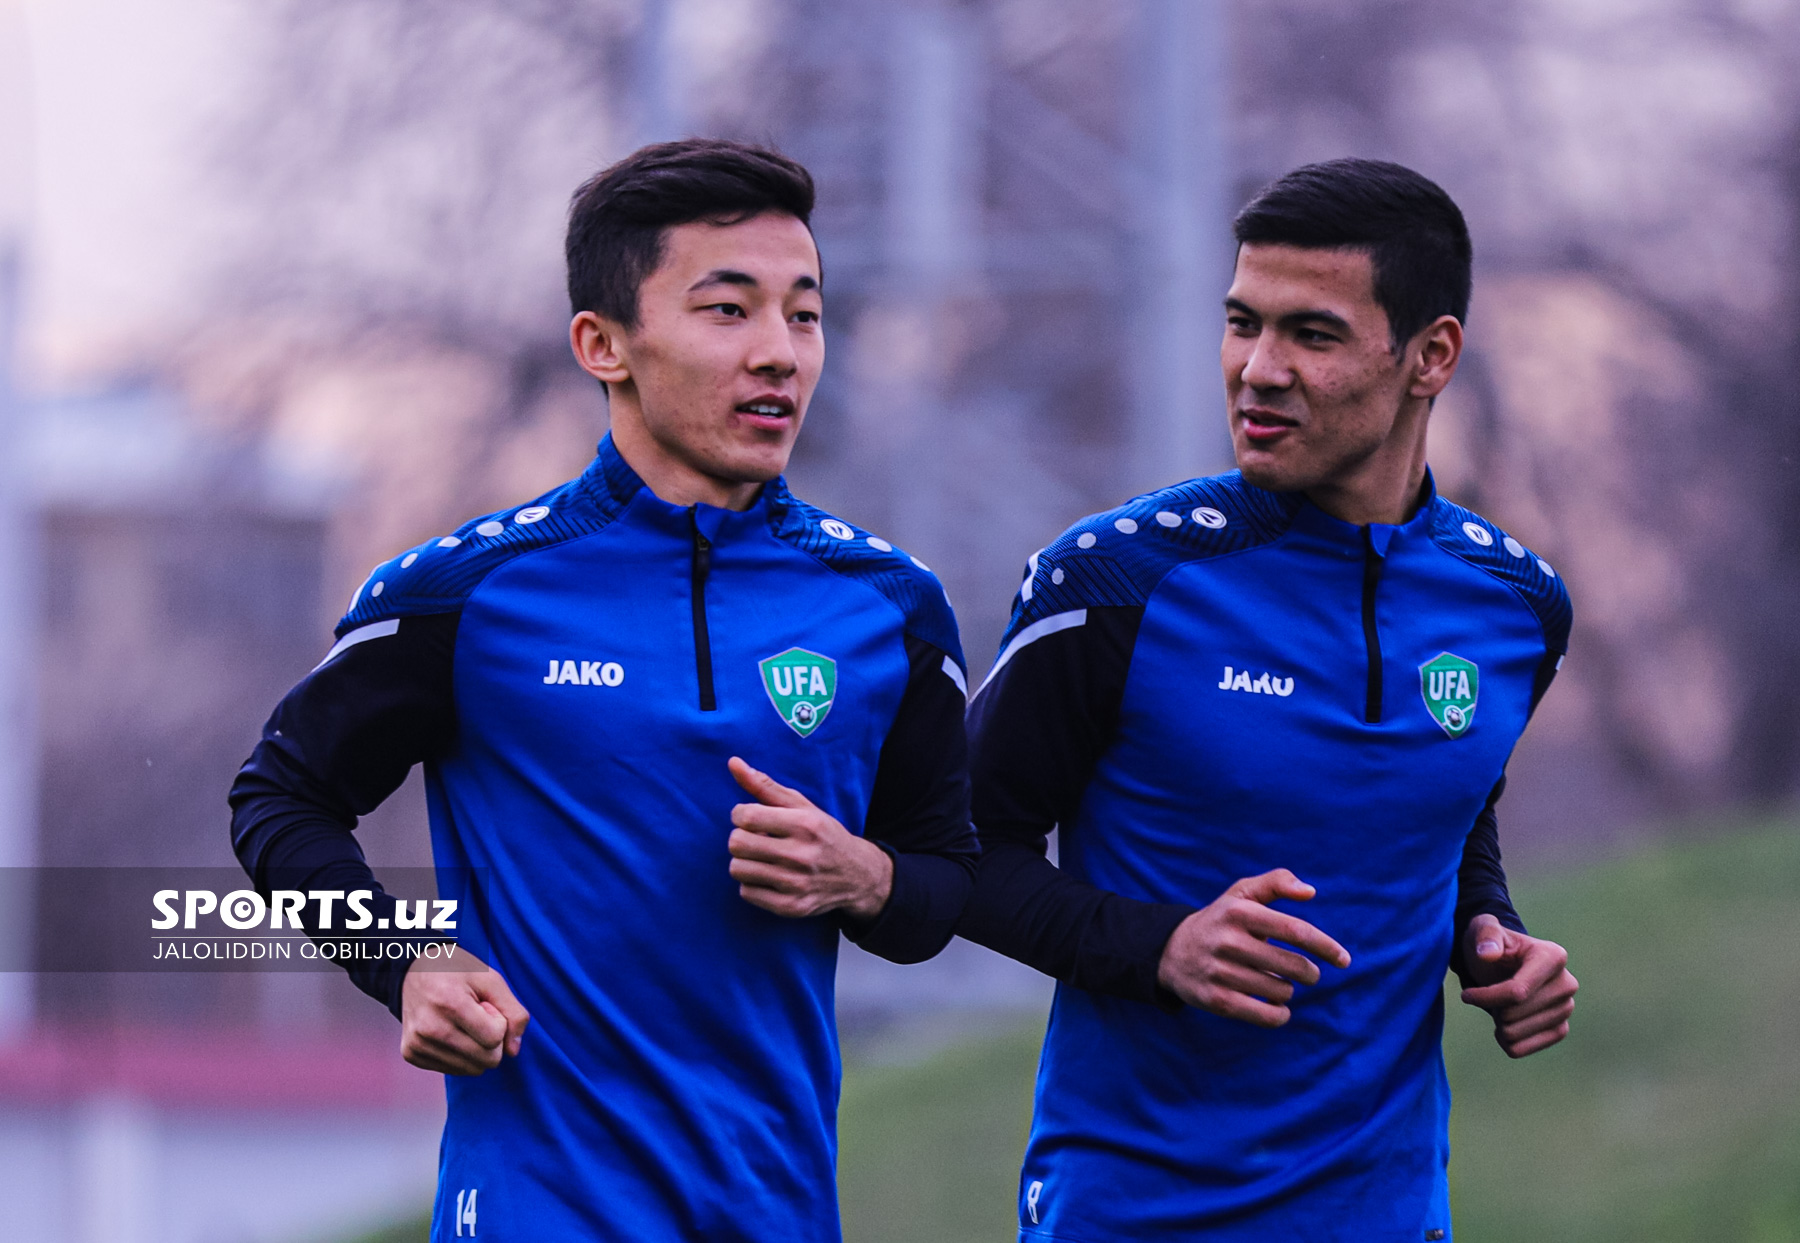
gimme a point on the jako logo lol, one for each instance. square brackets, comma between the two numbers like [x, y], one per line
[1239, 680]
[585, 673]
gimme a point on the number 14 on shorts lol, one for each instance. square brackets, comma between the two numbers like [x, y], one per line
[465, 1212]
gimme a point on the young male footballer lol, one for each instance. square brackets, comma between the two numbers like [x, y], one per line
[1296, 683]
[593, 681]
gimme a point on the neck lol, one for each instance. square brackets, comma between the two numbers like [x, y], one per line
[669, 476]
[1384, 487]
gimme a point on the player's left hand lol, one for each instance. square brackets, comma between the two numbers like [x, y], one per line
[1522, 981]
[789, 857]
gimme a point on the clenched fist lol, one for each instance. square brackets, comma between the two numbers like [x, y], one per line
[459, 1020]
[1523, 982]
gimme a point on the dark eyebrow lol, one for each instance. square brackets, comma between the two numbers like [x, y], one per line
[731, 276]
[1296, 319]
[724, 276]
[1302, 319]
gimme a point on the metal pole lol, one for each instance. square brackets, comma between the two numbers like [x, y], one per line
[932, 221]
[18, 643]
[933, 208]
[1182, 250]
[662, 99]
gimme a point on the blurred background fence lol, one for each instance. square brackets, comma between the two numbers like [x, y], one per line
[280, 293]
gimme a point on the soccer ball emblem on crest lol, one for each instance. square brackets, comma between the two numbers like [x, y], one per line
[802, 686]
[1450, 686]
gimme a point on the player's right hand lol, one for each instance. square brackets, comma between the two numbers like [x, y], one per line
[1220, 959]
[458, 1017]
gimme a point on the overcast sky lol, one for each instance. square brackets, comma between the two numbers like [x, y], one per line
[106, 107]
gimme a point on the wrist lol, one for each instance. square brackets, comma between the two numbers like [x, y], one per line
[876, 872]
[1165, 974]
[1168, 973]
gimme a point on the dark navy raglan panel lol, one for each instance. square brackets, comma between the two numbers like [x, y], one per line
[438, 575]
[681, 1072]
[1046, 712]
[1466, 534]
[345, 737]
[1481, 887]
[1097, 563]
[919, 814]
[336, 746]
[904, 580]
[347, 734]
[1049, 709]
[684, 1046]
[1037, 729]
[681, 1041]
[1242, 745]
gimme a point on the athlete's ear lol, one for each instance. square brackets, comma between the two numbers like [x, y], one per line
[1433, 355]
[600, 347]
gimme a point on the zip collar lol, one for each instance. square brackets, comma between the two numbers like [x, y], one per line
[613, 485]
[1311, 520]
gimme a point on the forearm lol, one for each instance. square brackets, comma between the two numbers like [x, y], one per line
[927, 898]
[1038, 729]
[315, 858]
[1027, 908]
[919, 815]
[1481, 887]
[286, 844]
[337, 745]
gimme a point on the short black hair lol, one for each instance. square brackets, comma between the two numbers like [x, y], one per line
[618, 218]
[1413, 233]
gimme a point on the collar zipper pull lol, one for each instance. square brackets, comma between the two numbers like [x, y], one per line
[1373, 561]
[702, 566]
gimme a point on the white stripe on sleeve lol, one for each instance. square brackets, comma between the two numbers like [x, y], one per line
[362, 634]
[956, 675]
[1031, 634]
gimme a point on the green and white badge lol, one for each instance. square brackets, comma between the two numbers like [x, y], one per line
[801, 685]
[1450, 686]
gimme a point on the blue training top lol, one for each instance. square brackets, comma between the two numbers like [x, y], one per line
[1207, 683]
[574, 675]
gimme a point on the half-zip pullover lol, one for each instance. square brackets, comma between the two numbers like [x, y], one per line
[574, 674]
[1205, 684]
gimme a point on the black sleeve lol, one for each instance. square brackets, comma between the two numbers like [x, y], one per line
[337, 745]
[1036, 731]
[919, 814]
[1481, 881]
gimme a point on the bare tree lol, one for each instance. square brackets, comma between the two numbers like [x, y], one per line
[1627, 409]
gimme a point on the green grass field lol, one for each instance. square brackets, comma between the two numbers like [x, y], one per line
[1673, 1111]
[1672, 1115]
